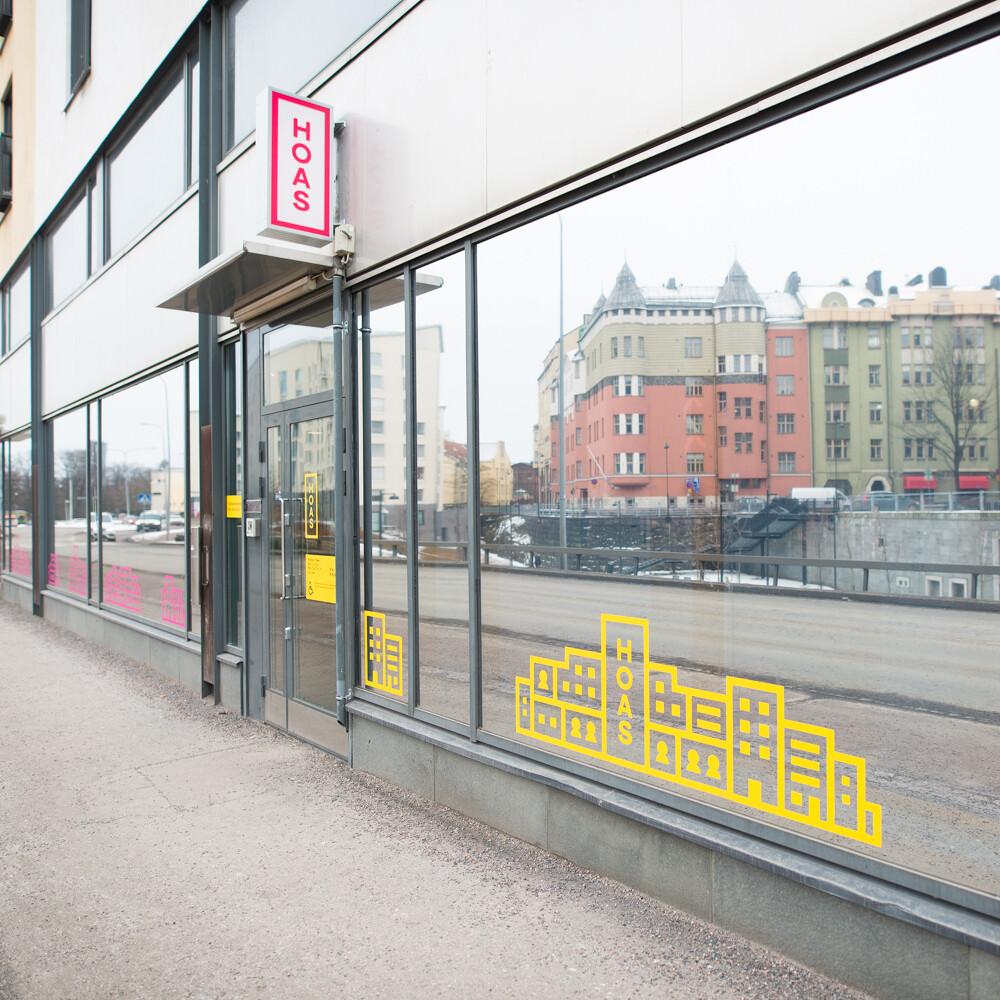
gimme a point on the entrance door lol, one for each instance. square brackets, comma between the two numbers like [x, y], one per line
[299, 574]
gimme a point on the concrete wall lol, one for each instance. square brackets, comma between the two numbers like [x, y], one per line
[794, 906]
[172, 657]
[967, 537]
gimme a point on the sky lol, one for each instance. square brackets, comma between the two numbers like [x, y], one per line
[900, 177]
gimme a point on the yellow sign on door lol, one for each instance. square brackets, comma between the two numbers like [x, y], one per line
[321, 579]
[234, 506]
[311, 490]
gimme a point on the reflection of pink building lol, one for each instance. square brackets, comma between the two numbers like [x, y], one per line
[686, 392]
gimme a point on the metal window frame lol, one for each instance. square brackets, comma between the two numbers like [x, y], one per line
[756, 120]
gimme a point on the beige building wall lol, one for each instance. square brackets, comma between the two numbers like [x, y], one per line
[17, 72]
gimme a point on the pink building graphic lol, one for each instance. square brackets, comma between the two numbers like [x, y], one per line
[172, 605]
[122, 589]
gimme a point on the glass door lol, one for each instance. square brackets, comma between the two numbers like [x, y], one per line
[300, 545]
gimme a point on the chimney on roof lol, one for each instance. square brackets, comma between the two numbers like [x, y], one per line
[939, 278]
[792, 283]
[893, 291]
[995, 283]
[672, 283]
[917, 279]
[845, 282]
[874, 282]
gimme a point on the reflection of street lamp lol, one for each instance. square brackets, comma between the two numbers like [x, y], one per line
[126, 452]
[666, 475]
[165, 445]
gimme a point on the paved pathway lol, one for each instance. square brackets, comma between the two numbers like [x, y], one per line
[152, 846]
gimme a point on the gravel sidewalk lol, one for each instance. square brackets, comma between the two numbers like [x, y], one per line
[153, 846]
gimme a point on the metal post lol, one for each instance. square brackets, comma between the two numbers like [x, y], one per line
[472, 491]
[342, 541]
[412, 546]
[562, 405]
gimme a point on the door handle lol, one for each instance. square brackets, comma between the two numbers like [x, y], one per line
[284, 576]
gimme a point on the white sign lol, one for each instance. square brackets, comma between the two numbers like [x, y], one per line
[296, 147]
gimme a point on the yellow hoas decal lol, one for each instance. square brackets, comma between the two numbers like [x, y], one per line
[619, 707]
[383, 656]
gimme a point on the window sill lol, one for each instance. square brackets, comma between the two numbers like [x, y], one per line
[76, 88]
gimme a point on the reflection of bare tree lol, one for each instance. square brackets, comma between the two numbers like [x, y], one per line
[962, 400]
[70, 484]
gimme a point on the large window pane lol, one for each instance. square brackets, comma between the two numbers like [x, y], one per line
[194, 499]
[18, 506]
[804, 402]
[17, 309]
[267, 48]
[442, 493]
[148, 171]
[67, 569]
[66, 251]
[233, 375]
[143, 430]
[385, 628]
[298, 361]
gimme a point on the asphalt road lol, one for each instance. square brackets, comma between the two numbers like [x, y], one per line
[153, 847]
[913, 690]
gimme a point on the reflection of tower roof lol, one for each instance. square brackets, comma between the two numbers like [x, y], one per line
[737, 290]
[599, 304]
[626, 294]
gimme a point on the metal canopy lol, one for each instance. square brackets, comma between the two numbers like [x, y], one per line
[262, 267]
[235, 280]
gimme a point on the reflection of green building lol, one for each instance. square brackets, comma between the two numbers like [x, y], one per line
[882, 387]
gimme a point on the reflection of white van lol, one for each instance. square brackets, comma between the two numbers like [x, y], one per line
[822, 497]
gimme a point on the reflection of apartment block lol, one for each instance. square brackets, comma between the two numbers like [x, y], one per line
[383, 656]
[619, 707]
[388, 415]
[454, 473]
[496, 474]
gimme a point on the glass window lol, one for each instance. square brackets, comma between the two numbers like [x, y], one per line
[148, 171]
[784, 385]
[692, 347]
[386, 619]
[194, 496]
[303, 348]
[17, 309]
[267, 48]
[79, 43]
[68, 561]
[443, 535]
[143, 500]
[233, 458]
[783, 347]
[66, 251]
[17, 501]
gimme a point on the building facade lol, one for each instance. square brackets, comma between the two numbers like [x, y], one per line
[346, 489]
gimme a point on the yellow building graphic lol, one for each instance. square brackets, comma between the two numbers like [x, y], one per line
[383, 656]
[619, 707]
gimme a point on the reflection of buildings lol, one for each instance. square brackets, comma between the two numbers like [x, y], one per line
[454, 473]
[525, 481]
[496, 474]
[619, 707]
[388, 410]
[383, 656]
[160, 481]
[693, 392]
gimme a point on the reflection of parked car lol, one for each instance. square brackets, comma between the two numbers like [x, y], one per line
[150, 520]
[107, 527]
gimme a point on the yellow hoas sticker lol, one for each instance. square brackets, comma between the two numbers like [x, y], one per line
[619, 707]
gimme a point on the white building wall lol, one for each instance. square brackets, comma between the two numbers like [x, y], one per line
[128, 42]
[112, 327]
[15, 389]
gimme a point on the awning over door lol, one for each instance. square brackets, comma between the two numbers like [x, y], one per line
[974, 482]
[919, 483]
[266, 273]
[259, 268]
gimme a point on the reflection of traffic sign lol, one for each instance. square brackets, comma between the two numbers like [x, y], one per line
[144, 498]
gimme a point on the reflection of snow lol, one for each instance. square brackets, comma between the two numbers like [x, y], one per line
[730, 577]
[507, 530]
[492, 559]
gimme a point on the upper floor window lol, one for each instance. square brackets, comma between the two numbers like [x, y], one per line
[79, 43]
[6, 152]
[16, 296]
[149, 167]
[783, 347]
[66, 252]
[692, 347]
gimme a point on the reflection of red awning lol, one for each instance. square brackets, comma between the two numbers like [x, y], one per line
[919, 483]
[973, 482]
